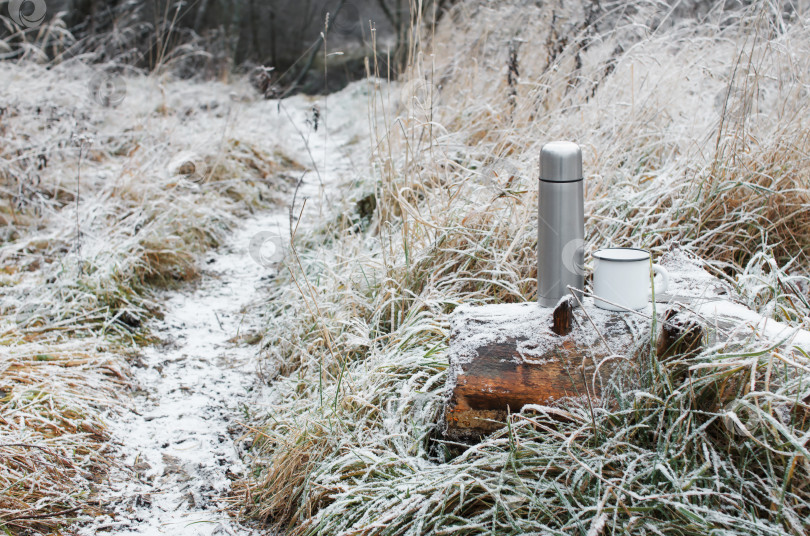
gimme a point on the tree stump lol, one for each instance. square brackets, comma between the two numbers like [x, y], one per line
[506, 357]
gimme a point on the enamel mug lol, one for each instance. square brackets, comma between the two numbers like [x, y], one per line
[622, 276]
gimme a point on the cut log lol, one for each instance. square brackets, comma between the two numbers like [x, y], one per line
[505, 357]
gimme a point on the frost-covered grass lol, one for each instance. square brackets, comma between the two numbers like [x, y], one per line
[99, 207]
[694, 134]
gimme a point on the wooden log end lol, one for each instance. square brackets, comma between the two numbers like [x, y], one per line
[682, 334]
[504, 358]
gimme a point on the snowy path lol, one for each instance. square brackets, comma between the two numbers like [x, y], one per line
[179, 443]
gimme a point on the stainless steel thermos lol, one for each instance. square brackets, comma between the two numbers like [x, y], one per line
[560, 222]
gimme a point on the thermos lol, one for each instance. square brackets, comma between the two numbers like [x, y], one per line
[560, 222]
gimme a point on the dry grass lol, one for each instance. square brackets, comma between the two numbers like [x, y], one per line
[96, 216]
[694, 135]
[53, 439]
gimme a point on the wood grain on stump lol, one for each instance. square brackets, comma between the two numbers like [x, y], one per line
[504, 357]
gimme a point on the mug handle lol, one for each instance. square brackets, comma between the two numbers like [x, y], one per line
[660, 270]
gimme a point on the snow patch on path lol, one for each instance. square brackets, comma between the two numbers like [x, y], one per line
[180, 442]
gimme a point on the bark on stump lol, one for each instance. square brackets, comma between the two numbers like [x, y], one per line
[504, 357]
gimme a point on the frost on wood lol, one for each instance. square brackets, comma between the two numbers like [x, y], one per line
[506, 357]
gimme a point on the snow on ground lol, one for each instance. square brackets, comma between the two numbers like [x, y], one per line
[180, 441]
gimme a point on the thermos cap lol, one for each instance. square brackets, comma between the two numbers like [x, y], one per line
[560, 161]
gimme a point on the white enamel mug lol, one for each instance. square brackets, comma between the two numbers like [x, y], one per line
[622, 276]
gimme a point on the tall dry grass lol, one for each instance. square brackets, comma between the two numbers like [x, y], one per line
[694, 135]
[96, 217]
